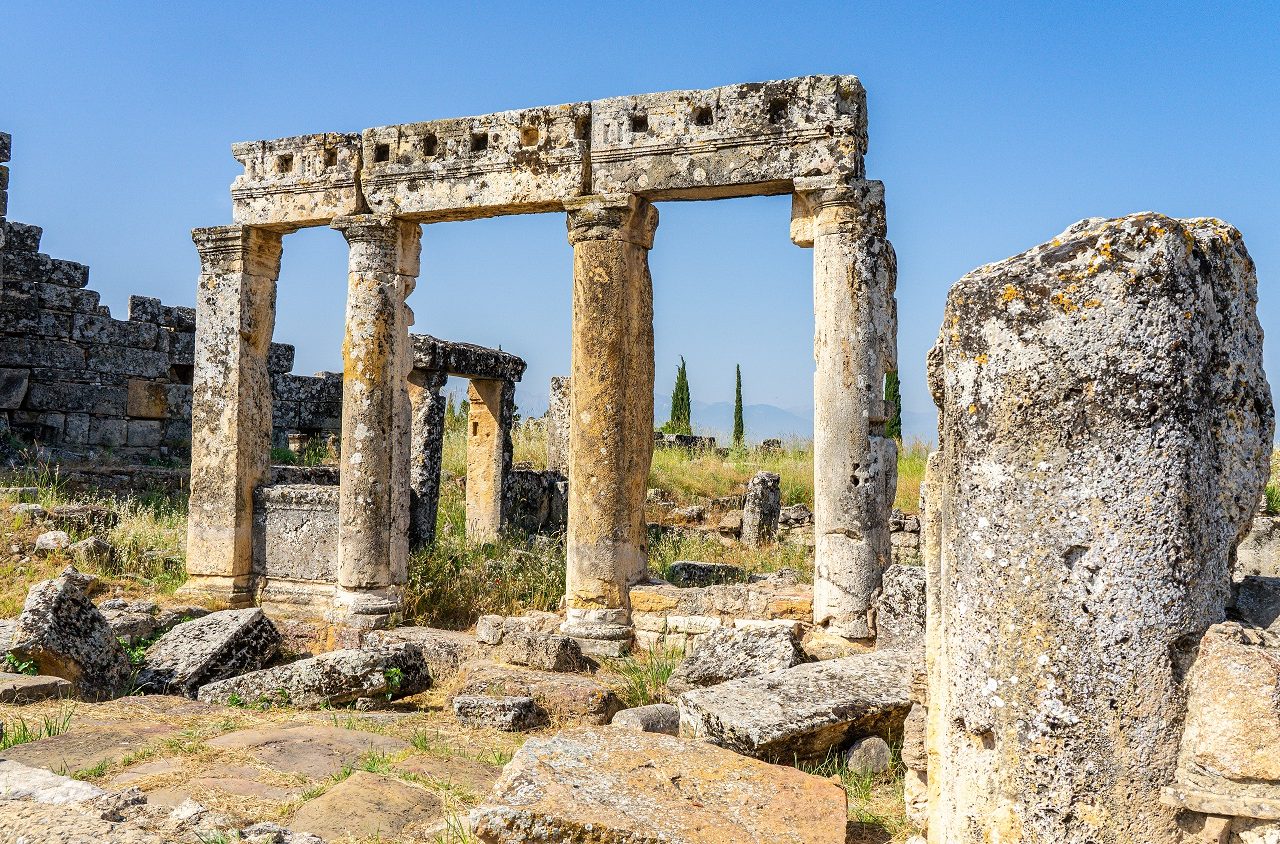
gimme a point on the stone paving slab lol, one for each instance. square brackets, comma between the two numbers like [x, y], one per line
[365, 805]
[24, 688]
[312, 751]
[84, 747]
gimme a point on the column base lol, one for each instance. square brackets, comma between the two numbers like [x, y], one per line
[601, 633]
[232, 592]
[366, 609]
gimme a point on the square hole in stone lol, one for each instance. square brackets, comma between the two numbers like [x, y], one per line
[430, 144]
[777, 111]
[702, 116]
[639, 123]
[479, 141]
[284, 163]
[330, 158]
[182, 373]
[529, 136]
[381, 152]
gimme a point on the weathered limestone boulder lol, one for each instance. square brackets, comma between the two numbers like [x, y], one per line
[90, 552]
[368, 806]
[62, 632]
[330, 679]
[1105, 430]
[204, 650]
[443, 651]
[1259, 551]
[654, 718]
[52, 540]
[1258, 601]
[729, 653]
[565, 698]
[805, 711]
[543, 651]
[760, 509]
[625, 787]
[869, 756]
[511, 714]
[900, 608]
[1231, 741]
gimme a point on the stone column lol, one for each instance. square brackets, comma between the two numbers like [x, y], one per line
[373, 508]
[854, 464]
[611, 435]
[492, 405]
[557, 422]
[425, 452]
[230, 407]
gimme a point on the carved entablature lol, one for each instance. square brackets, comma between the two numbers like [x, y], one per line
[738, 140]
[512, 162]
[293, 182]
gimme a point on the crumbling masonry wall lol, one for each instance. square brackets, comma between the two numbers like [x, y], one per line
[74, 377]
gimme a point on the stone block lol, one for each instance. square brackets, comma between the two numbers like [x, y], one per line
[57, 297]
[182, 348]
[13, 388]
[40, 267]
[77, 398]
[280, 358]
[900, 608]
[76, 429]
[6, 146]
[295, 532]
[510, 162]
[728, 653]
[23, 688]
[564, 697]
[510, 714]
[62, 632]
[443, 651]
[693, 624]
[735, 140]
[204, 650]
[627, 787]
[803, 712]
[653, 622]
[147, 399]
[654, 718]
[20, 237]
[113, 332]
[687, 573]
[24, 351]
[489, 629]
[542, 651]
[760, 509]
[144, 433]
[144, 309]
[111, 433]
[141, 363]
[302, 180]
[365, 807]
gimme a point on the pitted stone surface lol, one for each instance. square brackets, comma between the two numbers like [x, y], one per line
[1105, 431]
[625, 787]
[563, 697]
[728, 653]
[760, 509]
[215, 647]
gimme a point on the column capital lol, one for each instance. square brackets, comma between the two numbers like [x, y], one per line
[393, 245]
[612, 216]
[830, 205]
[238, 249]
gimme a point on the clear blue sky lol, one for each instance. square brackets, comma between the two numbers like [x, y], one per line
[993, 126]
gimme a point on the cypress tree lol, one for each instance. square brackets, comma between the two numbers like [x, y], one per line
[681, 408]
[893, 395]
[739, 428]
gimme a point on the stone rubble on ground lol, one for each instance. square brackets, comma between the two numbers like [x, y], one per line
[215, 647]
[541, 651]
[510, 713]
[653, 718]
[53, 540]
[729, 653]
[564, 698]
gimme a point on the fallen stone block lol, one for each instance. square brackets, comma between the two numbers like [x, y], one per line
[444, 651]
[693, 573]
[654, 718]
[27, 688]
[52, 540]
[330, 679]
[900, 608]
[91, 552]
[729, 653]
[62, 632]
[542, 651]
[511, 714]
[202, 651]
[565, 698]
[132, 621]
[489, 629]
[367, 805]
[869, 756]
[83, 516]
[804, 711]
[624, 787]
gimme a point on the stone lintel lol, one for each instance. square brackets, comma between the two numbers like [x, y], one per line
[618, 216]
[829, 204]
[305, 180]
[238, 249]
[464, 360]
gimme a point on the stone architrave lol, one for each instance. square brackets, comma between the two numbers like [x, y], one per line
[373, 504]
[611, 436]
[230, 406]
[492, 404]
[855, 465]
[1105, 432]
[425, 453]
[558, 415]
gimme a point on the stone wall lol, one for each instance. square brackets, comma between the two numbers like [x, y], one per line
[77, 379]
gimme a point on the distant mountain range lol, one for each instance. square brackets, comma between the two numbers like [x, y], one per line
[762, 421]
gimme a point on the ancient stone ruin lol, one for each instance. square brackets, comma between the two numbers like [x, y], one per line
[603, 164]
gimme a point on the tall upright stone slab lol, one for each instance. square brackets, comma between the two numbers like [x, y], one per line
[855, 465]
[488, 455]
[230, 406]
[373, 504]
[1105, 433]
[558, 415]
[425, 453]
[611, 437]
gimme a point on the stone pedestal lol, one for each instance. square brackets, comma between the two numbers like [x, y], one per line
[611, 435]
[230, 407]
[373, 504]
[855, 465]
[425, 452]
[492, 404]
